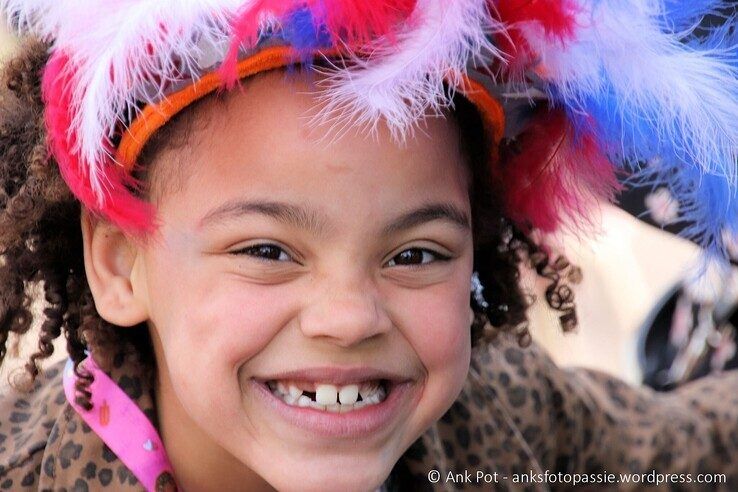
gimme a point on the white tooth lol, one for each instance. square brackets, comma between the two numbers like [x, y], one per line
[291, 400]
[348, 394]
[381, 393]
[330, 398]
[282, 388]
[326, 394]
[367, 389]
[294, 391]
[317, 405]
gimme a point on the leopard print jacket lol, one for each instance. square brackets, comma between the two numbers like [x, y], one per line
[518, 418]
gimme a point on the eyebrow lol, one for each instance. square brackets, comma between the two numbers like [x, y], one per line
[287, 213]
[310, 220]
[428, 213]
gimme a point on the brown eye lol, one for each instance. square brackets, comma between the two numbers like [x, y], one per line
[416, 257]
[264, 252]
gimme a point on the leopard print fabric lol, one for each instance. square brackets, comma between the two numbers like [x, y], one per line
[45, 444]
[518, 413]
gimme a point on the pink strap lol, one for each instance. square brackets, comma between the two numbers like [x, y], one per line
[121, 424]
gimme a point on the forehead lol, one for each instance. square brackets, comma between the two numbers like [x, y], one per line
[259, 139]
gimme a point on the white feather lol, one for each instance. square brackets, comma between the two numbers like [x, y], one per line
[689, 95]
[401, 83]
[104, 37]
[27, 12]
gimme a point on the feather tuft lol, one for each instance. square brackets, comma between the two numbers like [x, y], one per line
[555, 18]
[354, 23]
[651, 93]
[122, 53]
[405, 78]
[114, 201]
[555, 177]
[685, 17]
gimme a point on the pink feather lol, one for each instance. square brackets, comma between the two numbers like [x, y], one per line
[120, 206]
[353, 23]
[556, 18]
[557, 177]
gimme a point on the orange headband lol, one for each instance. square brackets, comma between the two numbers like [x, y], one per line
[154, 116]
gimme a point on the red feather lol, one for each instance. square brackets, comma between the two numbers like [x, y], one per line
[352, 23]
[557, 176]
[557, 18]
[120, 206]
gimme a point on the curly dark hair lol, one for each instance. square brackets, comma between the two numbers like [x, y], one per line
[41, 239]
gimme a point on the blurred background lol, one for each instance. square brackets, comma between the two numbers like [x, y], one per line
[640, 317]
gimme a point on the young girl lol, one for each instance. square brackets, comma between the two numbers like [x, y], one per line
[310, 282]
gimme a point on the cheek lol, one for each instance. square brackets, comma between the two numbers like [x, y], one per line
[203, 316]
[436, 324]
[435, 321]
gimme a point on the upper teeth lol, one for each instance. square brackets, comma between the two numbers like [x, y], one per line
[328, 396]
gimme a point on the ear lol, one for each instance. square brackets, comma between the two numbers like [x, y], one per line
[111, 261]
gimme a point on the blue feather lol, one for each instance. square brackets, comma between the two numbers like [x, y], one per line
[685, 15]
[653, 89]
[305, 31]
[708, 201]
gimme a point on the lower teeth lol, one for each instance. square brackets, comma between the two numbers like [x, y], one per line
[306, 401]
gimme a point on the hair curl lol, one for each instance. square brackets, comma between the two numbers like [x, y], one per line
[41, 240]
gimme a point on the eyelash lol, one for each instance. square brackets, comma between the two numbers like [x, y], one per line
[248, 251]
[423, 251]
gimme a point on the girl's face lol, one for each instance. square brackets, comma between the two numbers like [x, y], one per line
[313, 266]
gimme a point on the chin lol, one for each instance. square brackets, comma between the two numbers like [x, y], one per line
[330, 475]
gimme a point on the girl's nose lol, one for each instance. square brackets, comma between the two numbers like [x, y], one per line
[347, 314]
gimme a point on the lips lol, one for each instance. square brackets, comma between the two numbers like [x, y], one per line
[323, 396]
[335, 376]
[334, 419]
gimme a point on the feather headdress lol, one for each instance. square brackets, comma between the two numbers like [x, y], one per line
[638, 86]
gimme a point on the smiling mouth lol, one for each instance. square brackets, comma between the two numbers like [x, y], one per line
[330, 397]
